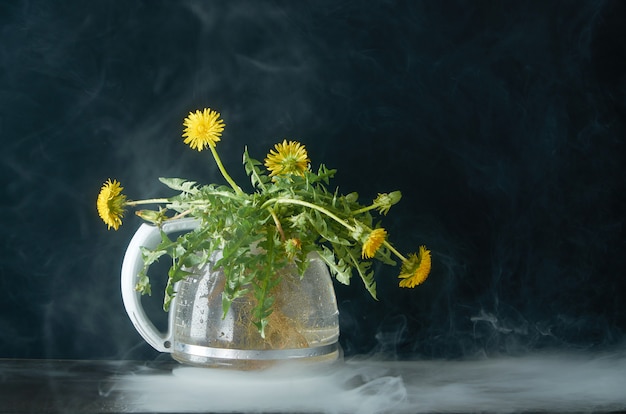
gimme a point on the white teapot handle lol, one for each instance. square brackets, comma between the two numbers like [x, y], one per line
[148, 236]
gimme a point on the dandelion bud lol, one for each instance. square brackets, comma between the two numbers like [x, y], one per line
[384, 201]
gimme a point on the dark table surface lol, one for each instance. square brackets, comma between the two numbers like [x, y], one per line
[532, 383]
[58, 386]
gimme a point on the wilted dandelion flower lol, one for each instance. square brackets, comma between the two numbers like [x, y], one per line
[287, 158]
[111, 204]
[415, 269]
[202, 129]
[373, 243]
[293, 247]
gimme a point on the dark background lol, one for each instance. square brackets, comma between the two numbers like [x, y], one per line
[501, 122]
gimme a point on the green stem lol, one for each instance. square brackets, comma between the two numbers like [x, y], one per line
[148, 201]
[279, 227]
[364, 209]
[311, 206]
[224, 194]
[394, 251]
[218, 161]
[180, 215]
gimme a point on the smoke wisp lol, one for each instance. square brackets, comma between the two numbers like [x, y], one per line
[533, 383]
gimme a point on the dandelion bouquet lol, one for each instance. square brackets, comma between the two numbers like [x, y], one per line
[289, 214]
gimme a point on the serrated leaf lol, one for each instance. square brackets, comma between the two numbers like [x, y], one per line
[229, 297]
[192, 260]
[177, 274]
[143, 283]
[257, 178]
[366, 275]
[324, 230]
[324, 174]
[150, 256]
[384, 255]
[369, 282]
[169, 295]
[180, 184]
[339, 269]
[260, 325]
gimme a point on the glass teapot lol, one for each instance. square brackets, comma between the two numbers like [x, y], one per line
[303, 326]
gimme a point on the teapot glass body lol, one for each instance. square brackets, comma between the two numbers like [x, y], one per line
[303, 325]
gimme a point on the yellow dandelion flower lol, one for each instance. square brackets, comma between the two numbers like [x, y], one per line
[111, 204]
[202, 129]
[415, 269]
[287, 158]
[373, 243]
